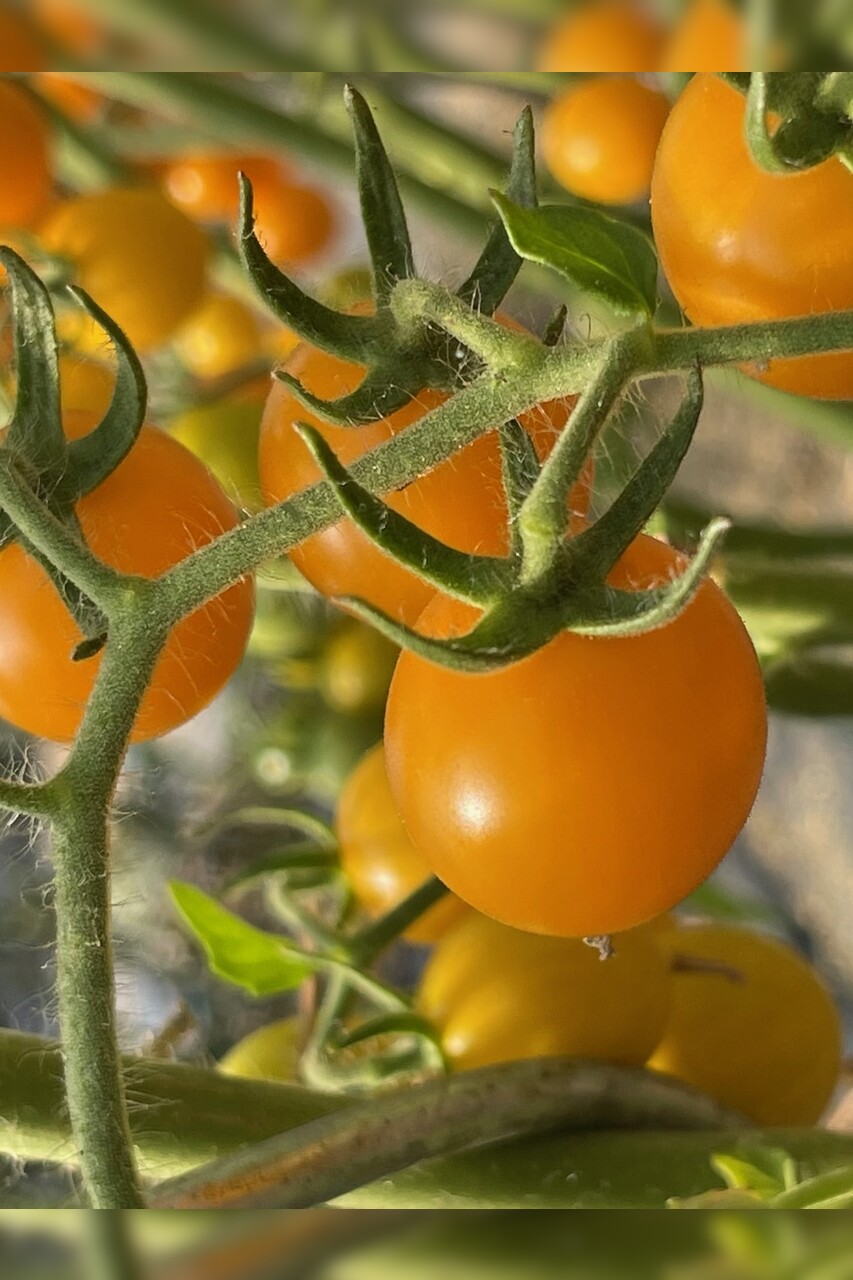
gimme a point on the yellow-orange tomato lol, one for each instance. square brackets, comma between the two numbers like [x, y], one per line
[599, 138]
[293, 223]
[158, 506]
[86, 385]
[221, 335]
[21, 46]
[269, 1053]
[138, 256]
[225, 436]
[205, 186]
[739, 244]
[461, 501]
[761, 1035]
[602, 35]
[709, 35]
[497, 994]
[25, 181]
[381, 863]
[74, 30]
[593, 785]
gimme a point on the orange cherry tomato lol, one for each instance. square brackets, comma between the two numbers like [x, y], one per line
[602, 35]
[25, 180]
[158, 506]
[739, 244]
[221, 335]
[461, 501]
[381, 863]
[599, 138]
[139, 257]
[293, 223]
[761, 1035]
[73, 30]
[709, 35]
[593, 785]
[206, 187]
[498, 994]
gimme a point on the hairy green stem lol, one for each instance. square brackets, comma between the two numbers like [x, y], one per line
[111, 1252]
[415, 302]
[367, 944]
[374, 1139]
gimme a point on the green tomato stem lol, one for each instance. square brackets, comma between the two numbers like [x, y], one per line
[367, 944]
[111, 1252]
[388, 1133]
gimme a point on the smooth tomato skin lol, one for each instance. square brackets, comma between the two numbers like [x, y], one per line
[732, 238]
[271, 1052]
[159, 505]
[599, 138]
[708, 36]
[602, 35]
[138, 256]
[461, 501]
[593, 785]
[25, 181]
[379, 860]
[766, 1042]
[225, 436]
[498, 994]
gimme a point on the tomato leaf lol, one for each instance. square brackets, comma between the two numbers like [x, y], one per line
[262, 963]
[598, 254]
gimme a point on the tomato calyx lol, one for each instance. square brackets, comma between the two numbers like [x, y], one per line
[403, 356]
[551, 580]
[35, 452]
[795, 120]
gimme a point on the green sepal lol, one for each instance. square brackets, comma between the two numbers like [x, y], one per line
[499, 264]
[85, 613]
[766, 1171]
[261, 963]
[382, 210]
[95, 456]
[35, 431]
[600, 255]
[600, 546]
[352, 337]
[761, 142]
[252, 816]
[630, 613]
[386, 388]
[478, 579]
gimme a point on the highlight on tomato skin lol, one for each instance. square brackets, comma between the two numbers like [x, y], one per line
[641, 757]
[158, 506]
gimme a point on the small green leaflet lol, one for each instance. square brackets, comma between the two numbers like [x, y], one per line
[598, 254]
[262, 963]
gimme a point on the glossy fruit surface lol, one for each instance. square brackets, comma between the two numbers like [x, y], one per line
[138, 256]
[159, 504]
[762, 1035]
[379, 860]
[599, 138]
[25, 181]
[590, 786]
[269, 1053]
[461, 501]
[497, 994]
[602, 35]
[739, 244]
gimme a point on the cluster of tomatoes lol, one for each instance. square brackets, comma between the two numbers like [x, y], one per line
[144, 252]
[682, 997]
